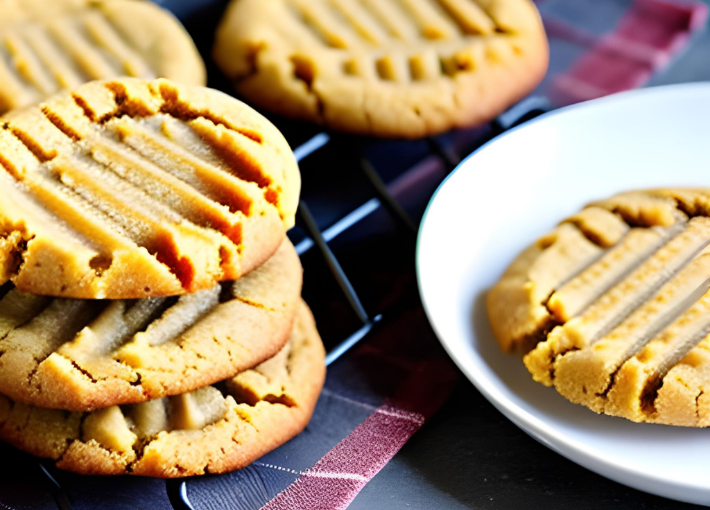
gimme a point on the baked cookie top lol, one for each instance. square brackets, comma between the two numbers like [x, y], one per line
[81, 355]
[614, 307]
[56, 45]
[210, 430]
[389, 68]
[128, 189]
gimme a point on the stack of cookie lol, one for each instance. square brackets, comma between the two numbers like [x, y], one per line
[150, 313]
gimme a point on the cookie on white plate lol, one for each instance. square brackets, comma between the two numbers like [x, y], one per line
[614, 307]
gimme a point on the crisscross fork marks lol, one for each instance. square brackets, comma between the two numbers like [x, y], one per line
[357, 24]
[349, 24]
[149, 170]
[45, 56]
[86, 354]
[392, 68]
[634, 327]
[620, 301]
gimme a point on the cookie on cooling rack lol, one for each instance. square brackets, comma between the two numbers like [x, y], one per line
[209, 430]
[51, 46]
[614, 307]
[128, 189]
[82, 355]
[389, 68]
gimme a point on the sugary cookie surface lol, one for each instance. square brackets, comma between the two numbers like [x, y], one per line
[48, 46]
[82, 355]
[210, 430]
[392, 68]
[128, 189]
[613, 307]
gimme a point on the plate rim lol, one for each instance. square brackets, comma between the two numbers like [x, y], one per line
[532, 425]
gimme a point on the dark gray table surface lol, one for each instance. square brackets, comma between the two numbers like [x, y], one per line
[470, 456]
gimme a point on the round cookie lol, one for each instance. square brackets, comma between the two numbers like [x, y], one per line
[388, 68]
[128, 189]
[210, 430]
[82, 355]
[51, 46]
[613, 307]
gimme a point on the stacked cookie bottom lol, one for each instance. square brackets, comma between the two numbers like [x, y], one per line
[167, 387]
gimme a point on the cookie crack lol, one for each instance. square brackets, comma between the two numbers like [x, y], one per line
[11, 404]
[284, 399]
[139, 448]
[253, 303]
[139, 380]
[245, 418]
[83, 371]
[529, 341]
[21, 428]
[70, 440]
[16, 256]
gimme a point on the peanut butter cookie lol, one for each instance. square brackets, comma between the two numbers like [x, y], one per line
[614, 307]
[128, 189]
[56, 45]
[81, 355]
[389, 68]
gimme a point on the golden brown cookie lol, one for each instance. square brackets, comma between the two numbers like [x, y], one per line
[81, 355]
[390, 68]
[48, 46]
[128, 189]
[210, 430]
[614, 307]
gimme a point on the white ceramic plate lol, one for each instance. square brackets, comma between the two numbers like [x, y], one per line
[515, 189]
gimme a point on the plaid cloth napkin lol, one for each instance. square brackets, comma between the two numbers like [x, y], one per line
[646, 36]
[379, 394]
